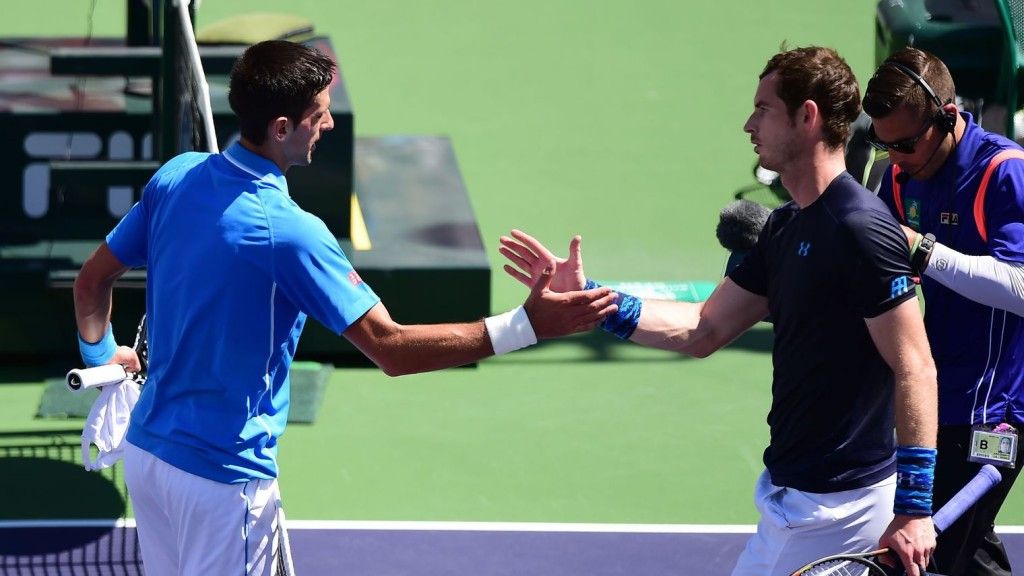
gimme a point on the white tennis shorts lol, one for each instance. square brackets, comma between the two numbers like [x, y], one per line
[798, 527]
[191, 525]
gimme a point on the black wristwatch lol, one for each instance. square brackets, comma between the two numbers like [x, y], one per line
[919, 259]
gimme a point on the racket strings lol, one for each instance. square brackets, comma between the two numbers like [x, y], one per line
[283, 550]
[843, 567]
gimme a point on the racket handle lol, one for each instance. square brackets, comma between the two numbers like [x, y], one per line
[986, 478]
[85, 378]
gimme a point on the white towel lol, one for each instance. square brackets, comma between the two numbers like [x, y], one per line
[107, 424]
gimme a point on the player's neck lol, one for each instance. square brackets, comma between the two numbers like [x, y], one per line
[268, 151]
[809, 176]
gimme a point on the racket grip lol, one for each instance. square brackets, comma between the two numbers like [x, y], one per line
[98, 376]
[986, 478]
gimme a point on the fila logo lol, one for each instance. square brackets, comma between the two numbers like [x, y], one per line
[804, 249]
[354, 278]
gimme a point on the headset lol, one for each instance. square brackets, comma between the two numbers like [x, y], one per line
[944, 119]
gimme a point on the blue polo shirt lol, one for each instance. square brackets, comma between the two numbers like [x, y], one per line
[978, 349]
[233, 268]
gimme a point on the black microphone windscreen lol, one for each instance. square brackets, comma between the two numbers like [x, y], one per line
[902, 178]
[740, 223]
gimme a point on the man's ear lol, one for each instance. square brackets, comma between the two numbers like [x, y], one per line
[808, 114]
[279, 128]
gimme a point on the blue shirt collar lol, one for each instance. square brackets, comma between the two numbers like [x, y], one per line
[257, 166]
[959, 161]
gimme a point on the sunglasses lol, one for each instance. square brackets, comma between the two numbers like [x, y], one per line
[905, 146]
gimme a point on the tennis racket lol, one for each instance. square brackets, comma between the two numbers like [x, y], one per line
[283, 565]
[81, 379]
[866, 563]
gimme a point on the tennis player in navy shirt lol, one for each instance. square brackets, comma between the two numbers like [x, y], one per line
[234, 266]
[851, 361]
[958, 190]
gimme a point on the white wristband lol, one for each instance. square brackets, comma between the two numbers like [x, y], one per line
[510, 331]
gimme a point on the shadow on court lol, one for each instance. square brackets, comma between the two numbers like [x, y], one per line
[43, 481]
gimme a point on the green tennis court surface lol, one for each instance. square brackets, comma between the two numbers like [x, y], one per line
[620, 121]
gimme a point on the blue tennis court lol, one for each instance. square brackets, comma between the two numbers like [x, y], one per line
[422, 548]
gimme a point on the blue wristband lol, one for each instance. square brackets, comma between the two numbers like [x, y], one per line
[915, 475]
[625, 320]
[98, 353]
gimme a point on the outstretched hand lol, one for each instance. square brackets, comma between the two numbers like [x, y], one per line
[553, 314]
[530, 258]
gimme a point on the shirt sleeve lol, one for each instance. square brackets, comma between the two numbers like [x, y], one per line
[1004, 212]
[129, 240]
[313, 271]
[752, 272]
[879, 263]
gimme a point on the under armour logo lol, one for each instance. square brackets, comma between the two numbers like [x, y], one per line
[804, 249]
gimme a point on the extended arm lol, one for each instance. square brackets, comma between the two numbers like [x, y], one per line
[407, 349]
[702, 328]
[687, 328]
[900, 338]
[399, 349]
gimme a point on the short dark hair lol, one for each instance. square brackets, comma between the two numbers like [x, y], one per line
[890, 88]
[823, 76]
[276, 78]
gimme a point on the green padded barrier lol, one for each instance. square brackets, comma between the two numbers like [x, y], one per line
[256, 27]
[681, 291]
[309, 379]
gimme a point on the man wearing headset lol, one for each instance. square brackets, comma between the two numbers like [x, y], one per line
[959, 193]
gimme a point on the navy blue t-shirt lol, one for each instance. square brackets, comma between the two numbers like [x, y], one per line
[824, 269]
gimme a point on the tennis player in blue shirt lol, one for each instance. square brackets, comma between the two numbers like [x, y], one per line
[959, 193]
[234, 266]
[850, 357]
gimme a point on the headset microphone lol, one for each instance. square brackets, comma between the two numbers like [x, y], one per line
[945, 120]
[904, 177]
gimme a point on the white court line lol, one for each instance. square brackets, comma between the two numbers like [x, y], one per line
[428, 526]
[454, 526]
[522, 527]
